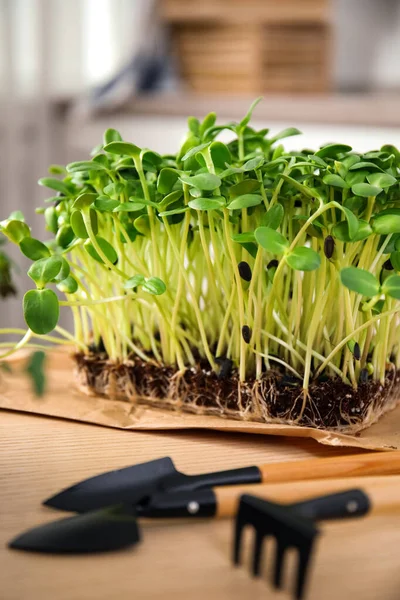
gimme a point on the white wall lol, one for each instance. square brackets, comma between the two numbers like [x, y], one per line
[88, 40]
[367, 44]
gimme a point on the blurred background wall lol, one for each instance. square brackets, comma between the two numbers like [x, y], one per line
[367, 45]
[89, 40]
[70, 69]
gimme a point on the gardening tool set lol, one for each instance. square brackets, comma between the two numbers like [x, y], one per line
[264, 497]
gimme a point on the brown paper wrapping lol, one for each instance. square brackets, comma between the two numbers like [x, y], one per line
[63, 400]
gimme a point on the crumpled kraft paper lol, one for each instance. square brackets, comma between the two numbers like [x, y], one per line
[63, 400]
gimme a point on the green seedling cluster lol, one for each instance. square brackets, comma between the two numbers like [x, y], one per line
[239, 250]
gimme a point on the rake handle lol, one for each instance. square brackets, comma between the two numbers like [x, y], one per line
[383, 492]
[372, 463]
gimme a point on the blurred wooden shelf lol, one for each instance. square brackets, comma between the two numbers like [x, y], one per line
[224, 45]
[251, 11]
[370, 109]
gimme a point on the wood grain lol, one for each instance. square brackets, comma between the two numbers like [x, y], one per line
[333, 467]
[177, 560]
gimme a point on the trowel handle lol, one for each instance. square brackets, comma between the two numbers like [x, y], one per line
[353, 465]
[372, 463]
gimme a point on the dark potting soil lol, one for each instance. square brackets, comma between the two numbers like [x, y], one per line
[329, 404]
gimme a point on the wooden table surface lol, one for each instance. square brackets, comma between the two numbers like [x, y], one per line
[357, 560]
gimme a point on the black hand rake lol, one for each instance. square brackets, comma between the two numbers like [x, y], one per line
[292, 526]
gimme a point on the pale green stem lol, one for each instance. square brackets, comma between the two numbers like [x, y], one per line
[28, 335]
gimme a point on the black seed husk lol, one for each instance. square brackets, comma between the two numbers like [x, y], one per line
[226, 366]
[357, 351]
[272, 264]
[246, 333]
[388, 265]
[244, 270]
[363, 375]
[329, 246]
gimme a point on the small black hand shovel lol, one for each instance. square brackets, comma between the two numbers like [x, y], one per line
[97, 531]
[132, 484]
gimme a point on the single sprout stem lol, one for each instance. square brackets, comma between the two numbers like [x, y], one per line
[27, 337]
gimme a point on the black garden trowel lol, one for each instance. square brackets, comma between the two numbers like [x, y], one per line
[132, 484]
[102, 530]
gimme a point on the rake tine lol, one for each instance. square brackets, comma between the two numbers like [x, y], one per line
[258, 552]
[305, 552]
[279, 562]
[238, 542]
[245, 516]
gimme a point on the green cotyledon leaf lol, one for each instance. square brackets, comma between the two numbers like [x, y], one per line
[271, 240]
[203, 181]
[303, 259]
[44, 270]
[360, 281]
[41, 310]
